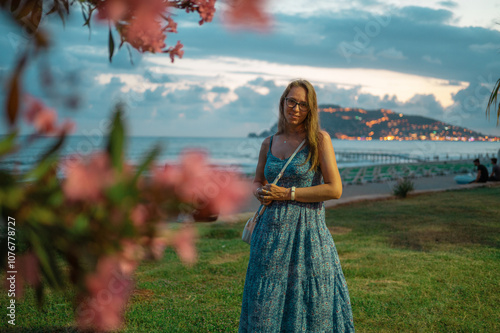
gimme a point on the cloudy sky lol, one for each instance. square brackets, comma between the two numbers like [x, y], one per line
[439, 59]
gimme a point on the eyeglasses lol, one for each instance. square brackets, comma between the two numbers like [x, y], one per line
[290, 102]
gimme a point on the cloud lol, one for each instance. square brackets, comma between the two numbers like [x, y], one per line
[415, 32]
[391, 53]
[485, 48]
[426, 15]
[251, 105]
[469, 108]
[432, 60]
[220, 90]
[449, 4]
[412, 40]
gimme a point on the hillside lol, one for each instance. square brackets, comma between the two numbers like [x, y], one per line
[383, 124]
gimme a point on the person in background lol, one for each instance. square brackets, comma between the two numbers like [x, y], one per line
[495, 172]
[482, 172]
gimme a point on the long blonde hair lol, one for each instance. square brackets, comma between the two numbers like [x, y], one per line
[311, 123]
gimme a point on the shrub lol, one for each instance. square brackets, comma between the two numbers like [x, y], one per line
[402, 187]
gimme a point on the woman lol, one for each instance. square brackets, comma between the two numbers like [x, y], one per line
[294, 282]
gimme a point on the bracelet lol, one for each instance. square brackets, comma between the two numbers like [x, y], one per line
[292, 195]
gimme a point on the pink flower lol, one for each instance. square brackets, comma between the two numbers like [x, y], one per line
[172, 25]
[113, 10]
[210, 189]
[170, 176]
[139, 215]
[144, 32]
[138, 21]
[130, 256]
[30, 268]
[157, 247]
[248, 13]
[184, 244]
[206, 8]
[67, 127]
[28, 271]
[44, 119]
[125, 10]
[176, 51]
[233, 192]
[86, 181]
[108, 293]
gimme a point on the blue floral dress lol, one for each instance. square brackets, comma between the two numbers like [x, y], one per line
[294, 281]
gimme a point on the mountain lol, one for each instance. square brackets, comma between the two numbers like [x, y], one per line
[383, 124]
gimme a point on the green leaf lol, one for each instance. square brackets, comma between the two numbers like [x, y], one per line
[56, 199]
[55, 7]
[13, 98]
[117, 139]
[25, 10]
[49, 152]
[118, 192]
[36, 16]
[493, 101]
[148, 159]
[43, 216]
[45, 260]
[39, 296]
[41, 168]
[66, 5]
[14, 5]
[13, 197]
[81, 224]
[111, 44]
[84, 17]
[6, 180]
[7, 143]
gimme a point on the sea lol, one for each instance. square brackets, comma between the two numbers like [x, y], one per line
[242, 153]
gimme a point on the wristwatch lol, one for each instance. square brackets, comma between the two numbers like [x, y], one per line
[292, 194]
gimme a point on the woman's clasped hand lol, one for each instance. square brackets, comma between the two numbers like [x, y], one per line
[271, 192]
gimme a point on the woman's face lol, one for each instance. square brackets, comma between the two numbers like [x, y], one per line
[295, 116]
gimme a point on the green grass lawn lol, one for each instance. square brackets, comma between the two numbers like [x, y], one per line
[428, 263]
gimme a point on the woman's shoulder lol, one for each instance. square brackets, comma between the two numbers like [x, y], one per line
[325, 142]
[266, 142]
[324, 135]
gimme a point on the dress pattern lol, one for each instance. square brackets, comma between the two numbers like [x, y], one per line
[294, 281]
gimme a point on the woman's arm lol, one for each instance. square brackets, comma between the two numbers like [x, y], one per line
[260, 179]
[332, 187]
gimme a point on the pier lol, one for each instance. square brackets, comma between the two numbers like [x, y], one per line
[390, 158]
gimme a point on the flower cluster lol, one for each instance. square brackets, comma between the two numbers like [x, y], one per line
[85, 181]
[93, 228]
[141, 23]
[106, 216]
[248, 13]
[212, 190]
[44, 119]
[206, 9]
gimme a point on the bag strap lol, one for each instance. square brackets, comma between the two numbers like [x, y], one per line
[262, 207]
